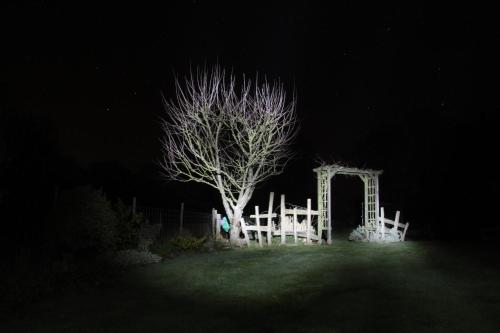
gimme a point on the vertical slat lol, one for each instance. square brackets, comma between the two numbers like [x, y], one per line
[295, 221]
[257, 219]
[269, 218]
[282, 219]
[404, 231]
[396, 223]
[308, 230]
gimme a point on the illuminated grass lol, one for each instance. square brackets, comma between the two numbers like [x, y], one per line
[347, 287]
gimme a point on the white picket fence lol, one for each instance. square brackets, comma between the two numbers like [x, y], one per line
[396, 230]
[288, 224]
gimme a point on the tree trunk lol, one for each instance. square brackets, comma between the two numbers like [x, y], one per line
[234, 236]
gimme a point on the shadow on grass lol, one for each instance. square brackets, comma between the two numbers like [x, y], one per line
[348, 287]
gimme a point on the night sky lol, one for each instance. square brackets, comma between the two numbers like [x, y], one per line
[410, 90]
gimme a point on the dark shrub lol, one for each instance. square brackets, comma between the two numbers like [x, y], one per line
[187, 242]
[148, 234]
[128, 226]
[86, 222]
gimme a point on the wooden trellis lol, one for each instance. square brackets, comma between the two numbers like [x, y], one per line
[370, 179]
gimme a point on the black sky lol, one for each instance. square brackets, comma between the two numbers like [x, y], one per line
[410, 89]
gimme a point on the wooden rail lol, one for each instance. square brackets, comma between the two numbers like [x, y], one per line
[396, 225]
[288, 223]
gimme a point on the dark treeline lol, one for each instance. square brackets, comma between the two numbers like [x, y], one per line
[436, 174]
[34, 172]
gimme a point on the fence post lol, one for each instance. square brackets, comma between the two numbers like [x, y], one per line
[269, 219]
[308, 231]
[181, 218]
[282, 219]
[396, 223]
[295, 221]
[257, 218]
[214, 223]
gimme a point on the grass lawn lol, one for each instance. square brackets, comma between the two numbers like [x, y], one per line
[346, 287]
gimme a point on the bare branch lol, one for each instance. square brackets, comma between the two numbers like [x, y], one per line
[230, 140]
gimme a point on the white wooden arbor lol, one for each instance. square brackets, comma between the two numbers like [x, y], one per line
[374, 220]
[370, 179]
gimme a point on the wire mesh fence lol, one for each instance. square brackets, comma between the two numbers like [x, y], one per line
[195, 223]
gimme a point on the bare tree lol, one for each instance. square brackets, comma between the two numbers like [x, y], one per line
[227, 137]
